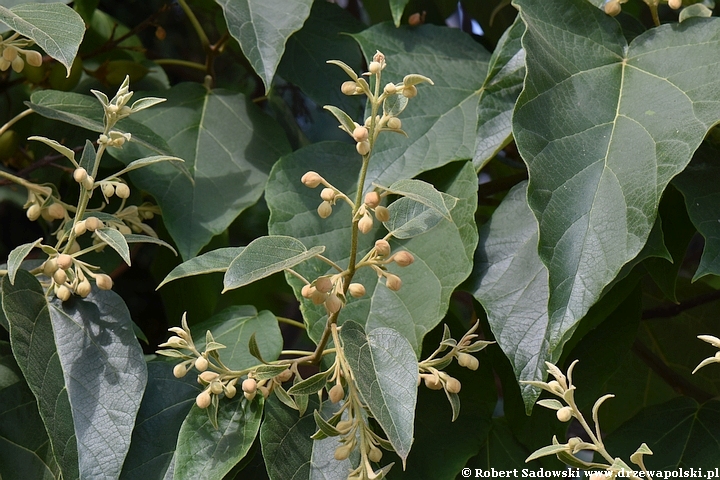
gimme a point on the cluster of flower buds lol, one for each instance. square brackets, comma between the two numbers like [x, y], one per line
[14, 49]
[437, 380]
[115, 138]
[327, 290]
[329, 194]
[380, 256]
[69, 275]
[114, 187]
[613, 7]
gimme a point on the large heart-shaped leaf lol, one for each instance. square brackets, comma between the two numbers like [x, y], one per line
[441, 121]
[228, 146]
[55, 27]
[86, 369]
[622, 121]
[262, 27]
[442, 255]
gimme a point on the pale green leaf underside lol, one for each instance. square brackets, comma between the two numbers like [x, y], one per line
[265, 256]
[621, 122]
[424, 193]
[55, 27]
[116, 241]
[16, 257]
[217, 260]
[136, 238]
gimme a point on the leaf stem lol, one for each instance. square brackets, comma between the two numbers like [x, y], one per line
[15, 119]
[289, 321]
[330, 262]
[196, 25]
[181, 63]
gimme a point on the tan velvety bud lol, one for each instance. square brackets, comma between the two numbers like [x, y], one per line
[230, 391]
[393, 282]
[375, 67]
[203, 400]
[409, 91]
[80, 228]
[108, 190]
[375, 454]
[382, 247]
[124, 229]
[348, 88]
[382, 213]
[216, 387]
[432, 382]
[208, 377]
[372, 199]
[284, 376]
[122, 191]
[363, 148]
[564, 414]
[307, 291]
[180, 370]
[83, 289]
[74, 248]
[403, 258]
[333, 304]
[415, 19]
[336, 393]
[327, 194]
[201, 364]
[10, 53]
[365, 224]
[612, 8]
[317, 297]
[249, 396]
[344, 426]
[64, 261]
[263, 390]
[63, 293]
[360, 134]
[249, 385]
[357, 290]
[343, 452]
[33, 57]
[80, 174]
[311, 179]
[60, 276]
[395, 123]
[675, 4]
[56, 211]
[17, 65]
[323, 284]
[453, 385]
[33, 213]
[88, 183]
[49, 267]
[390, 89]
[468, 361]
[93, 223]
[324, 210]
[104, 282]
[555, 386]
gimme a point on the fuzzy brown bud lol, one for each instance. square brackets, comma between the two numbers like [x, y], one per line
[336, 393]
[122, 190]
[88, 182]
[390, 89]
[249, 396]
[357, 290]
[311, 179]
[284, 376]
[80, 174]
[317, 297]
[360, 134]
[323, 284]
[203, 400]
[382, 213]
[80, 228]
[56, 211]
[83, 289]
[60, 276]
[403, 258]
[365, 224]
[375, 454]
[63, 293]
[393, 282]
[207, 377]
[307, 291]
[179, 370]
[394, 123]
[64, 261]
[216, 387]
[675, 4]
[324, 210]
[382, 247]
[372, 199]
[409, 91]
[343, 452]
[349, 87]
[33, 58]
[415, 19]
[363, 148]
[564, 414]
[612, 8]
[333, 304]
[327, 194]
[432, 382]
[375, 67]
[33, 213]
[104, 282]
[230, 391]
[93, 223]
[108, 190]
[468, 361]
[453, 385]
[201, 364]
[49, 267]
[249, 385]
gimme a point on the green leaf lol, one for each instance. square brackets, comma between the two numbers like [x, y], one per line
[545, 451]
[86, 112]
[310, 385]
[144, 162]
[228, 145]
[409, 218]
[504, 81]
[233, 328]
[55, 27]
[135, 238]
[423, 192]
[265, 256]
[262, 27]
[16, 257]
[394, 105]
[680, 433]
[346, 123]
[397, 7]
[92, 374]
[58, 147]
[116, 241]
[288, 450]
[204, 451]
[696, 10]
[596, 212]
[702, 200]
[443, 255]
[217, 260]
[441, 122]
[385, 369]
[165, 405]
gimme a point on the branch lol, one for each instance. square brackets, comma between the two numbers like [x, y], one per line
[667, 311]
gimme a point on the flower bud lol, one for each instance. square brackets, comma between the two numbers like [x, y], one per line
[453, 385]
[249, 385]
[324, 210]
[88, 183]
[323, 284]
[33, 57]
[375, 67]
[307, 291]
[612, 8]
[327, 194]
[18, 64]
[108, 190]
[56, 211]
[180, 370]
[468, 361]
[311, 179]
[409, 91]
[50, 267]
[432, 382]
[60, 276]
[415, 19]
[201, 364]
[336, 393]
[80, 228]
[203, 400]
[372, 199]
[403, 258]
[360, 134]
[357, 290]
[93, 223]
[74, 248]
[124, 229]
[394, 123]
[10, 53]
[382, 213]
[333, 304]
[264, 390]
[382, 247]
[122, 190]
[104, 282]
[363, 148]
[4, 64]
[555, 386]
[63, 292]
[343, 452]
[80, 174]
[390, 89]
[349, 87]
[365, 224]
[230, 391]
[564, 414]
[393, 282]
[33, 213]
[284, 376]
[675, 4]
[317, 297]
[375, 454]
[83, 289]
[216, 387]
[64, 261]
[207, 377]
[379, 57]
[249, 396]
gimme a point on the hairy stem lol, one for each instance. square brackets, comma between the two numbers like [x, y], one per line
[15, 119]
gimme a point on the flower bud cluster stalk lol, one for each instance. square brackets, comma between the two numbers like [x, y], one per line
[12, 51]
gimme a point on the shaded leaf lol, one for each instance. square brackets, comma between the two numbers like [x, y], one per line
[425, 193]
[397, 7]
[144, 162]
[135, 238]
[217, 260]
[409, 218]
[16, 257]
[116, 241]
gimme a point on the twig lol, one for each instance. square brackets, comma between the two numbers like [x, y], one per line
[667, 311]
